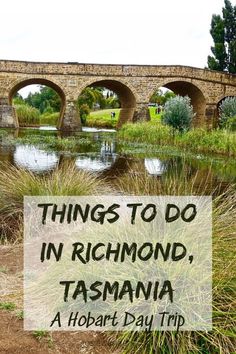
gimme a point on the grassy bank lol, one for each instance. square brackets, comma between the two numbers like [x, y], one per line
[16, 183]
[196, 140]
[102, 118]
[222, 339]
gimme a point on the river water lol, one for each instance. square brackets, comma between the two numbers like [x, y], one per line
[108, 157]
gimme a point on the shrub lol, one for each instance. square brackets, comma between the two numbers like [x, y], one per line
[228, 113]
[178, 113]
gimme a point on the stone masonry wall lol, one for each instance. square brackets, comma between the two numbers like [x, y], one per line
[138, 84]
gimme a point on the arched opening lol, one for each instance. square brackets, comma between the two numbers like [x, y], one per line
[184, 88]
[38, 102]
[106, 104]
[229, 110]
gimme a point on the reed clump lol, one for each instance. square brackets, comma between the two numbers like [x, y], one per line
[16, 183]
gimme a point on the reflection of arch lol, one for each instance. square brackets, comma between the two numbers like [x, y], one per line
[125, 95]
[154, 167]
[34, 159]
[39, 81]
[97, 163]
[185, 88]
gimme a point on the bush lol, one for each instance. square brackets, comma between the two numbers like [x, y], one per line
[228, 113]
[84, 111]
[27, 115]
[178, 113]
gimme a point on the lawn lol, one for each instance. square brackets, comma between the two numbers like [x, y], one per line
[102, 118]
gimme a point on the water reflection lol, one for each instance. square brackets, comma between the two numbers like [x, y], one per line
[95, 163]
[101, 153]
[34, 159]
[155, 166]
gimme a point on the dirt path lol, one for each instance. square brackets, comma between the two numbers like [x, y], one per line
[14, 340]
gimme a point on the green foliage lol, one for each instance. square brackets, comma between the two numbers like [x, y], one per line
[15, 183]
[40, 334]
[9, 306]
[18, 99]
[27, 115]
[223, 32]
[84, 111]
[102, 118]
[46, 100]
[196, 140]
[228, 113]
[91, 97]
[49, 118]
[38, 108]
[20, 315]
[159, 97]
[222, 338]
[178, 113]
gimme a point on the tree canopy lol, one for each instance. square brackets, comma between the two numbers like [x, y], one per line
[223, 32]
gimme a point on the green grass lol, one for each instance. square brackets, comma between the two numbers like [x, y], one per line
[40, 334]
[16, 183]
[222, 338]
[71, 144]
[27, 115]
[9, 306]
[49, 118]
[102, 118]
[196, 140]
[153, 115]
[3, 269]
[20, 315]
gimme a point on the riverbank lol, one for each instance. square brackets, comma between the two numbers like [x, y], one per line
[196, 140]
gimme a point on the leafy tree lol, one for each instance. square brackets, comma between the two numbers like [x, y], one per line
[46, 100]
[18, 99]
[223, 32]
[161, 97]
[178, 113]
[90, 96]
[228, 113]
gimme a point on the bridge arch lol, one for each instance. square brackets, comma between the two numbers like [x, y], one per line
[125, 94]
[187, 88]
[39, 81]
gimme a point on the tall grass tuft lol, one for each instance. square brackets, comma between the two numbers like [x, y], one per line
[222, 339]
[27, 115]
[16, 183]
[196, 140]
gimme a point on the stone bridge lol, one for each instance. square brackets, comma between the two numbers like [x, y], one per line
[134, 85]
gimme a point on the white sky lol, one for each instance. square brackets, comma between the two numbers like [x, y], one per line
[101, 31]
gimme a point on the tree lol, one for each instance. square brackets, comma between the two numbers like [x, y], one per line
[223, 32]
[178, 113]
[161, 97]
[45, 100]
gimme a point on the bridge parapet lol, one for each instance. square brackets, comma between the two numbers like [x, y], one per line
[134, 84]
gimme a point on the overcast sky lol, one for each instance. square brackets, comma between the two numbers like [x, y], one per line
[101, 31]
